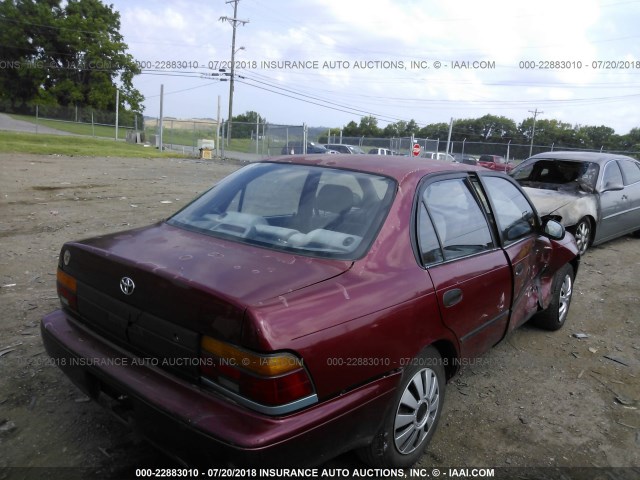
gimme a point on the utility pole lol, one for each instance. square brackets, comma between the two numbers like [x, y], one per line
[117, 108]
[161, 119]
[234, 23]
[533, 130]
[449, 136]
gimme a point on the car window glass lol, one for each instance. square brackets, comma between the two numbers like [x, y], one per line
[429, 246]
[524, 172]
[630, 170]
[513, 212]
[461, 226]
[257, 200]
[611, 175]
[312, 210]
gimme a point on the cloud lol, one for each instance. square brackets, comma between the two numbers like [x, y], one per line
[507, 33]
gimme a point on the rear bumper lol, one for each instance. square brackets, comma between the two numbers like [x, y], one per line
[197, 426]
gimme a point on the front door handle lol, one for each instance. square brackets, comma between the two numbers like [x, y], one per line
[451, 297]
[519, 269]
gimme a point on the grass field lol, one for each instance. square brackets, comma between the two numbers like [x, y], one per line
[170, 136]
[15, 142]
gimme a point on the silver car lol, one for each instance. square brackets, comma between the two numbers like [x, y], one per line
[596, 196]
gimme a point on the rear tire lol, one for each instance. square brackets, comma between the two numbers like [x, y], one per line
[413, 416]
[554, 316]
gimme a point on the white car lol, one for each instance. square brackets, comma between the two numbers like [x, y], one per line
[382, 151]
[438, 156]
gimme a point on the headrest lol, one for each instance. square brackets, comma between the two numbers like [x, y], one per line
[334, 198]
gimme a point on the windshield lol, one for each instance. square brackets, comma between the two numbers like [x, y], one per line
[554, 174]
[303, 209]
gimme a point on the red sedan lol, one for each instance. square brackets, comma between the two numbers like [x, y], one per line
[304, 307]
[495, 162]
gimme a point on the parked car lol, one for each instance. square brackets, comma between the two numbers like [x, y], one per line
[295, 148]
[466, 159]
[438, 156]
[382, 151]
[494, 162]
[594, 195]
[296, 310]
[344, 148]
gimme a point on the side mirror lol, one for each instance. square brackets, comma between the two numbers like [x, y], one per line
[553, 229]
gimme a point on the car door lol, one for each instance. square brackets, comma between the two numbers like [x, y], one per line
[470, 273]
[613, 203]
[630, 220]
[526, 251]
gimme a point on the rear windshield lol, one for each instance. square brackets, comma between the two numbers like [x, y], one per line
[310, 210]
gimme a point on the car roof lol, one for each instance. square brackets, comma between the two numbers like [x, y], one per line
[398, 168]
[596, 157]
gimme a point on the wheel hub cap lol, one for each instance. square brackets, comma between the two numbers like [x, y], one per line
[417, 411]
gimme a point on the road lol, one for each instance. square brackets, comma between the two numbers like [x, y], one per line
[12, 125]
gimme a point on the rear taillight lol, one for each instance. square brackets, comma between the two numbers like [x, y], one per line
[274, 384]
[67, 289]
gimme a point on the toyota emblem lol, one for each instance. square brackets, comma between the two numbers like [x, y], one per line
[127, 286]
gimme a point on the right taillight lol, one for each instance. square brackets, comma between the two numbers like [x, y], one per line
[274, 383]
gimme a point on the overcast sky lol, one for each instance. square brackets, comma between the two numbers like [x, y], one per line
[583, 59]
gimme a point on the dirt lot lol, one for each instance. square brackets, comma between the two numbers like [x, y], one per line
[538, 399]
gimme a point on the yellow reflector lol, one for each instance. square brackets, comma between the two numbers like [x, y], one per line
[67, 281]
[267, 365]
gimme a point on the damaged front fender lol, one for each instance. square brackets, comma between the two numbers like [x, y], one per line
[570, 207]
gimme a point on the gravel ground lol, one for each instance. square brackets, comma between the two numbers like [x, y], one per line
[538, 399]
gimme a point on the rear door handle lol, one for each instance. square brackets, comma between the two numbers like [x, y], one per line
[519, 269]
[451, 297]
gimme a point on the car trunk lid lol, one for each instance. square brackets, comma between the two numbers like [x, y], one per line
[181, 285]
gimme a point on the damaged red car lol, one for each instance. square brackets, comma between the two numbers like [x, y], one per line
[304, 307]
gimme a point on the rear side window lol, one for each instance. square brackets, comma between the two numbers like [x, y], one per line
[611, 175]
[459, 223]
[630, 171]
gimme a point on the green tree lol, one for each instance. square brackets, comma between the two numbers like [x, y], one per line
[26, 32]
[390, 131]
[547, 132]
[434, 131]
[71, 53]
[631, 141]
[412, 128]
[495, 128]
[369, 127]
[244, 125]
[351, 129]
[598, 137]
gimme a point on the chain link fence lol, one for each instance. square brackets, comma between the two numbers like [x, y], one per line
[249, 140]
[79, 120]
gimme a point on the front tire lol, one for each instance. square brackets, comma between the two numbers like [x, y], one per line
[413, 417]
[554, 316]
[582, 232]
